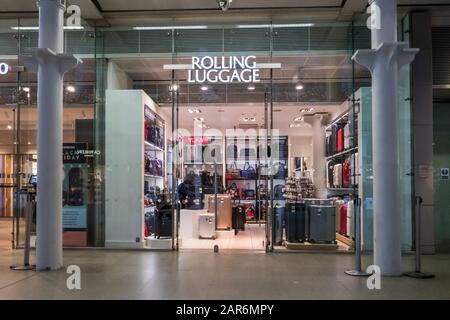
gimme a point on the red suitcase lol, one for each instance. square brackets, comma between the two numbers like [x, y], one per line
[343, 219]
[346, 174]
[340, 140]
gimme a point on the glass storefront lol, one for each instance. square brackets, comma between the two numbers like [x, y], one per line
[310, 75]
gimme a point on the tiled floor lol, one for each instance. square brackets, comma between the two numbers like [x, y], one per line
[203, 274]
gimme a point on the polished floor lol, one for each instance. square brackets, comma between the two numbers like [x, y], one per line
[203, 274]
[206, 275]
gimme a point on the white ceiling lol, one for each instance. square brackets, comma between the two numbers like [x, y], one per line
[230, 116]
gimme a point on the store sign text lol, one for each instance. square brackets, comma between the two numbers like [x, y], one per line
[223, 69]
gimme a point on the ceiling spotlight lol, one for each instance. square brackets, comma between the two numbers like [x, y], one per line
[26, 89]
[70, 89]
[9, 127]
[204, 88]
[253, 119]
[246, 119]
[194, 111]
[299, 86]
[173, 88]
[307, 110]
[29, 142]
[251, 87]
[298, 119]
[199, 119]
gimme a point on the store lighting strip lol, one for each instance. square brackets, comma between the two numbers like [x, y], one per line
[34, 28]
[171, 28]
[289, 25]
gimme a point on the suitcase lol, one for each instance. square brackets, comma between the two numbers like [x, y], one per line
[295, 218]
[340, 140]
[337, 176]
[238, 223]
[346, 174]
[343, 219]
[163, 223]
[206, 226]
[279, 224]
[322, 224]
[338, 205]
[224, 211]
[350, 219]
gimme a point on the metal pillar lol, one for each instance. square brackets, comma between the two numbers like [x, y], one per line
[51, 64]
[384, 60]
[318, 121]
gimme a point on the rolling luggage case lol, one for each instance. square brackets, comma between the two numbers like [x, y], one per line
[163, 221]
[279, 224]
[295, 219]
[350, 220]
[343, 219]
[337, 176]
[291, 223]
[322, 228]
[238, 219]
[206, 226]
[224, 211]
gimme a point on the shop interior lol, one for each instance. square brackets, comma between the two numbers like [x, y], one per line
[212, 166]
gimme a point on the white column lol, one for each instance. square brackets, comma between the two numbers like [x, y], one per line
[317, 122]
[384, 60]
[51, 64]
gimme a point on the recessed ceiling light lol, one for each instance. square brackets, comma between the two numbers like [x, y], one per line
[204, 88]
[194, 111]
[297, 119]
[253, 119]
[70, 89]
[307, 110]
[199, 119]
[299, 86]
[251, 87]
[175, 87]
[26, 89]
[9, 127]
[29, 142]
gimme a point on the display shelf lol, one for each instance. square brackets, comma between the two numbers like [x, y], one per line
[202, 163]
[152, 176]
[348, 151]
[344, 239]
[245, 179]
[342, 189]
[151, 147]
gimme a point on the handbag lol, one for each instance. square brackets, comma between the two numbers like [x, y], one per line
[233, 172]
[249, 194]
[248, 172]
[232, 152]
[281, 171]
[249, 212]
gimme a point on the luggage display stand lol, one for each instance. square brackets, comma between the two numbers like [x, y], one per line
[357, 272]
[418, 274]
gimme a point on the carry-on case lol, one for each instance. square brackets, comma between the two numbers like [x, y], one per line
[206, 226]
[224, 210]
[279, 224]
[322, 224]
[295, 219]
[163, 221]
[238, 223]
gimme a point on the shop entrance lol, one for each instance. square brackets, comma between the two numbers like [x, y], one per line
[222, 168]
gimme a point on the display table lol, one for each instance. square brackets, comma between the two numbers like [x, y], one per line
[189, 223]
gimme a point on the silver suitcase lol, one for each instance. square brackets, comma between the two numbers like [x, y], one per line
[206, 226]
[322, 224]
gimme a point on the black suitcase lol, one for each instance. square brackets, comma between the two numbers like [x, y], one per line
[238, 219]
[163, 221]
[295, 222]
[279, 224]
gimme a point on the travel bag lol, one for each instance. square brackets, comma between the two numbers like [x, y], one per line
[322, 224]
[279, 224]
[206, 226]
[238, 223]
[248, 172]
